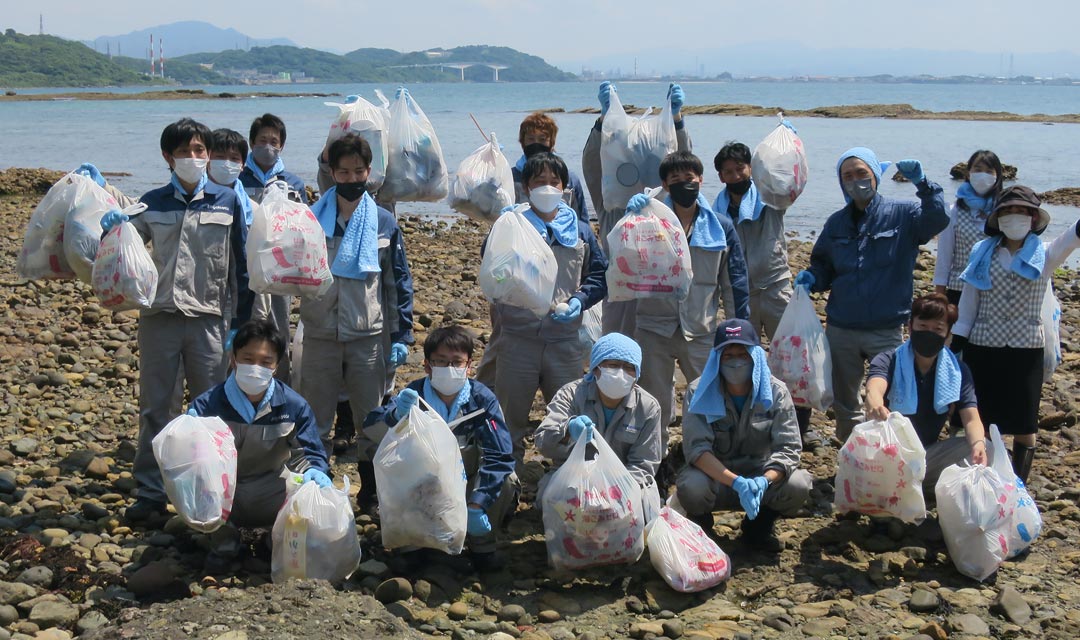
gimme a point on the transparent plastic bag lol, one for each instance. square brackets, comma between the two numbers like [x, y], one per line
[484, 184]
[1025, 521]
[197, 458]
[124, 275]
[286, 249]
[880, 471]
[648, 255]
[518, 268]
[799, 354]
[592, 327]
[415, 169]
[631, 150]
[370, 123]
[1051, 323]
[42, 254]
[314, 533]
[779, 167]
[684, 556]
[421, 484]
[970, 506]
[593, 512]
[82, 227]
[296, 358]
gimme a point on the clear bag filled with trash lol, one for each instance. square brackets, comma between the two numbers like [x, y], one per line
[684, 556]
[648, 255]
[880, 471]
[415, 168]
[1051, 323]
[518, 268]
[82, 227]
[286, 248]
[197, 458]
[593, 512]
[421, 484]
[42, 254]
[631, 150]
[484, 184]
[1025, 521]
[371, 123]
[974, 522]
[779, 167]
[799, 354]
[314, 533]
[124, 275]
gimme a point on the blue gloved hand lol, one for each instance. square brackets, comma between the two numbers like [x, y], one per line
[677, 97]
[398, 354]
[912, 170]
[191, 412]
[805, 279]
[750, 494]
[479, 524]
[787, 123]
[318, 477]
[90, 171]
[579, 425]
[401, 91]
[229, 339]
[638, 202]
[573, 311]
[351, 99]
[112, 219]
[606, 89]
[406, 400]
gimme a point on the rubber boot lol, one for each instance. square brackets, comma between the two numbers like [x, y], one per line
[1022, 458]
[760, 533]
[366, 498]
[811, 441]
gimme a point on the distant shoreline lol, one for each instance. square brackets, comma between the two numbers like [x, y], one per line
[172, 94]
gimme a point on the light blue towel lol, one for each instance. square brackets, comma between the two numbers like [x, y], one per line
[750, 206]
[447, 413]
[1027, 263]
[358, 253]
[978, 206]
[263, 177]
[564, 226]
[709, 398]
[245, 202]
[904, 394]
[706, 232]
[239, 400]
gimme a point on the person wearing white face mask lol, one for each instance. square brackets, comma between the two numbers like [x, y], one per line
[274, 428]
[607, 403]
[476, 420]
[544, 352]
[1000, 330]
[741, 440]
[197, 234]
[967, 218]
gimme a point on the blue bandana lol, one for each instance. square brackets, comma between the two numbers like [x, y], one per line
[563, 229]
[978, 206]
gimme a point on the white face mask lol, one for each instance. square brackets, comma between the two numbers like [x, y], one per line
[253, 379]
[449, 380]
[225, 172]
[189, 170]
[615, 383]
[982, 182]
[1015, 226]
[545, 199]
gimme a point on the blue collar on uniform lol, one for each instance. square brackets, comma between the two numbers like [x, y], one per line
[1027, 263]
[240, 402]
[447, 413]
[175, 182]
[709, 398]
[904, 395]
[358, 252]
[245, 202]
[750, 206]
[706, 232]
[563, 229]
[260, 175]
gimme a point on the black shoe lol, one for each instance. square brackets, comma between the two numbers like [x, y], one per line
[146, 510]
[704, 520]
[760, 533]
[812, 442]
[1022, 458]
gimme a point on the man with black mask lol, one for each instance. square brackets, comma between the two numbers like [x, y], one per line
[671, 330]
[537, 134]
[925, 382]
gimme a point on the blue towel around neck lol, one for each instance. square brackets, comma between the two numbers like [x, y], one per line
[706, 232]
[245, 202]
[256, 170]
[750, 206]
[904, 394]
[175, 182]
[239, 400]
[564, 227]
[978, 206]
[1027, 263]
[709, 398]
[358, 252]
[448, 413]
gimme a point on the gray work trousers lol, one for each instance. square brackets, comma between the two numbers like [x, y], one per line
[619, 317]
[767, 307]
[658, 357]
[505, 504]
[700, 494]
[942, 454]
[485, 371]
[276, 309]
[850, 350]
[255, 505]
[361, 364]
[171, 345]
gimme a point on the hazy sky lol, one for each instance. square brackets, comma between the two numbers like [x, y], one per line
[573, 30]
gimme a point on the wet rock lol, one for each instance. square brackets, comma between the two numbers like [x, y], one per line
[458, 611]
[1011, 604]
[968, 623]
[53, 614]
[394, 590]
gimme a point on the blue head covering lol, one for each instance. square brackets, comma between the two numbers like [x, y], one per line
[709, 398]
[867, 156]
[615, 346]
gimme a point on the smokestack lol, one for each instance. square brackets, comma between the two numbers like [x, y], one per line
[161, 55]
[151, 55]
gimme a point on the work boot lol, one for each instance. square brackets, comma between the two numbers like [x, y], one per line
[344, 427]
[760, 533]
[811, 441]
[367, 498]
[146, 510]
[1022, 458]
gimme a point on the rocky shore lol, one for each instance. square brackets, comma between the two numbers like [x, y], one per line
[893, 111]
[70, 566]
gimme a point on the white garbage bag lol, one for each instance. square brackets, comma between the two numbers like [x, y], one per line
[1025, 521]
[42, 255]
[296, 358]
[779, 167]
[799, 354]
[518, 268]
[286, 248]
[415, 169]
[197, 458]
[370, 123]
[684, 556]
[314, 534]
[971, 511]
[648, 255]
[124, 276]
[421, 484]
[82, 227]
[484, 184]
[1051, 324]
[631, 150]
[880, 471]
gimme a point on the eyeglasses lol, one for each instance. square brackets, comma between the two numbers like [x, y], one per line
[457, 364]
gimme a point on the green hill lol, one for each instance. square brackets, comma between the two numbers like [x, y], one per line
[178, 71]
[522, 67]
[48, 61]
[321, 65]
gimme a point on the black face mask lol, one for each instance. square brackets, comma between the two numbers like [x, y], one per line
[534, 148]
[351, 191]
[684, 194]
[927, 343]
[739, 188]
